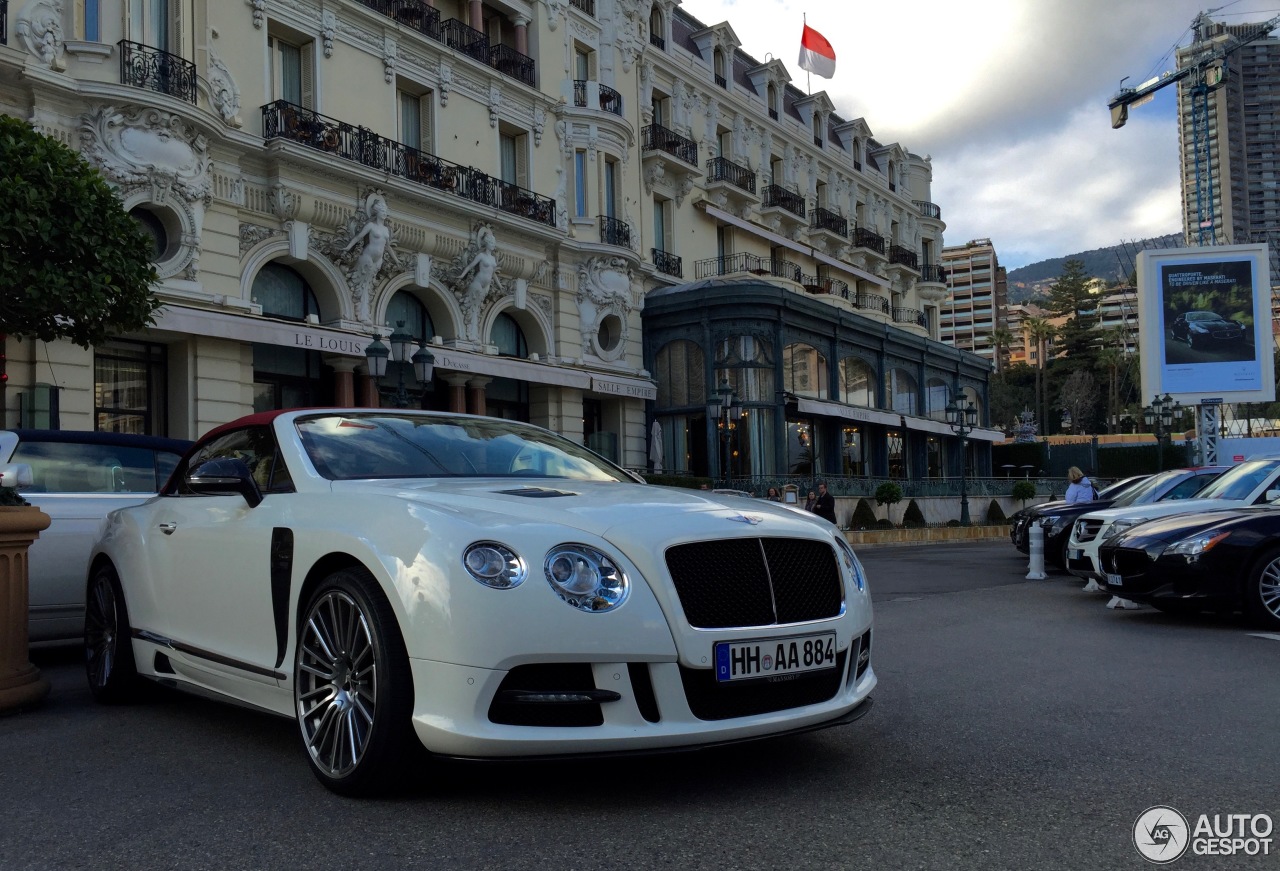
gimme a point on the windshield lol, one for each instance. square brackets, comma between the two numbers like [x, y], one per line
[1135, 495]
[1203, 316]
[1239, 482]
[384, 444]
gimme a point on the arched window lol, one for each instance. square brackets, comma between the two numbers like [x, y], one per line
[508, 336]
[681, 375]
[817, 129]
[972, 395]
[404, 306]
[747, 361]
[936, 397]
[857, 382]
[283, 293]
[657, 33]
[804, 371]
[773, 101]
[717, 65]
[900, 391]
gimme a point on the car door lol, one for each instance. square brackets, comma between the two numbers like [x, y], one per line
[211, 562]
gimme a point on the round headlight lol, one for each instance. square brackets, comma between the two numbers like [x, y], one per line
[494, 565]
[585, 578]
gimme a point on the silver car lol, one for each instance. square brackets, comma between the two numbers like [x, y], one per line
[77, 478]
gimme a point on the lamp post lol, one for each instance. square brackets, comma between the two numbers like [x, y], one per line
[1159, 416]
[723, 411]
[962, 416]
[422, 364]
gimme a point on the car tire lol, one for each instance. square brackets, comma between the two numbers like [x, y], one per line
[108, 642]
[1191, 340]
[352, 690]
[1262, 590]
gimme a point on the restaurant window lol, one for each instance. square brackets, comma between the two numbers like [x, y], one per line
[507, 398]
[129, 387]
[508, 336]
[286, 377]
[936, 397]
[900, 391]
[681, 375]
[804, 371]
[802, 447]
[857, 383]
[853, 460]
[896, 450]
[406, 307]
[283, 293]
[934, 453]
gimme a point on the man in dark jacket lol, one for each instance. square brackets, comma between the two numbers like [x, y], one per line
[826, 504]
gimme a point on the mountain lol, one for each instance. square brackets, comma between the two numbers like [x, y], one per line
[1110, 264]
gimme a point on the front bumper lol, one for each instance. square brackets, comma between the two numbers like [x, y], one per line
[1140, 579]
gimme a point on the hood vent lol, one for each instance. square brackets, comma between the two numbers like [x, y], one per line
[535, 492]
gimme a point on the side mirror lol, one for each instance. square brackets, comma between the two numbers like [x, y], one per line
[1272, 495]
[225, 477]
[17, 475]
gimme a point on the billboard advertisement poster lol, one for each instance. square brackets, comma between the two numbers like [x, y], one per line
[1205, 325]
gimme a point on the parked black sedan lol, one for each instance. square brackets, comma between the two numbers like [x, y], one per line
[1021, 520]
[1216, 560]
[1200, 329]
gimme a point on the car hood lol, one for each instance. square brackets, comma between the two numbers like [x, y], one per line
[597, 506]
[1165, 509]
[1069, 508]
[1170, 529]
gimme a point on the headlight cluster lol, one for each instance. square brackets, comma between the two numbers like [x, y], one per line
[579, 574]
[1197, 544]
[1050, 521]
[852, 563]
[1124, 526]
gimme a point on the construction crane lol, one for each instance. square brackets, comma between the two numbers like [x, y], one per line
[1205, 71]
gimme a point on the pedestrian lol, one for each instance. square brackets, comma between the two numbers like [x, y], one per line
[825, 505]
[1078, 488]
[772, 495]
[811, 501]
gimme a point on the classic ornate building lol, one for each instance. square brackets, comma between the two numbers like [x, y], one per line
[508, 179]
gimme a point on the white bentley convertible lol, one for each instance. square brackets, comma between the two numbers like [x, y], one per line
[479, 587]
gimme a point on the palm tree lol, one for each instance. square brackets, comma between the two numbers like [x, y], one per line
[1042, 333]
[1002, 339]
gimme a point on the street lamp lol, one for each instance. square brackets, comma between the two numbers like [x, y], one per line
[422, 364]
[962, 416]
[1159, 416]
[724, 411]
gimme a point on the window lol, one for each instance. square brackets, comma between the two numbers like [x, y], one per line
[896, 451]
[581, 64]
[900, 391]
[853, 460]
[149, 23]
[508, 336]
[659, 110]
[611, 188]
[256, 448]
[513, 153]
[283, 293]
[724, 144]
[857, 383]
[724, 241]
[129, 387]
[415, 120]
[660, 207]
[933, 452]
[286, 377]
[89, 28]
[804, 371]
[580, 184]
[772, 98]
[936, 398]
[657, 32]
[404, 306]
[291, 72]
[718, 66]
[681, 374]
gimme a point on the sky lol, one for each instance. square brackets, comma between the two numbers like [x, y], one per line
[1009, 99]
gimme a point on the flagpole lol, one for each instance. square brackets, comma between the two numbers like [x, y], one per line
[808, 78]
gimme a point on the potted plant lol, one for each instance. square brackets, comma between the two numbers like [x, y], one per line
[21, 683]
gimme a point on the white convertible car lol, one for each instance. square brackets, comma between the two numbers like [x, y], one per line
[479, 587]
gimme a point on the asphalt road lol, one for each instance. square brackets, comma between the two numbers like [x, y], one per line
[1017, 724]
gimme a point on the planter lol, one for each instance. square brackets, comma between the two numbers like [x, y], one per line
[21, 683]
[926, 535]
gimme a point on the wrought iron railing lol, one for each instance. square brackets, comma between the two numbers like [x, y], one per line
[510, 62]
[724, 169]
[785, 269]
[773, 113]
[817, 140]
[722, 81]
[731, 263]
[145, 67]
[464, 38]
[587, 6]
[825, 219]
[857, 164]
[615, 232]
[610, 100]
[777, 195]
[869, 239]
[655, 137]
[414, 14]
[667, 264]
[871, 302]
[284, 120]
[931, 272]
[580, 93]
[657, 41]
[834, 286]
[904, 256]
[908, 316]
[929, 210]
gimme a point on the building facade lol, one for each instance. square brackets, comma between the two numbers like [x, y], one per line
[506, 181]
[977, 297]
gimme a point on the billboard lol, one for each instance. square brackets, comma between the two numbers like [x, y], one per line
[1205, 324]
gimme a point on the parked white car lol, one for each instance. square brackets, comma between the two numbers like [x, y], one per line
[479, 587]
[1253, 482]
[77, 478]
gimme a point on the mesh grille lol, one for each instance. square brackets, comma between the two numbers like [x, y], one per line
[709, 700]
[1087, 530]
[755, 582]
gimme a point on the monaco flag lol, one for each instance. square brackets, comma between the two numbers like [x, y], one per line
[816, 54]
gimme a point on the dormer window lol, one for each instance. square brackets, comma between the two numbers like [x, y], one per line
[656, 29]
[773, 101]
[718, 67]
[817, 129]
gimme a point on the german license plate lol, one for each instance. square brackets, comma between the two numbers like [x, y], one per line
[1076, 553]
[774, 657]
[1114, 580]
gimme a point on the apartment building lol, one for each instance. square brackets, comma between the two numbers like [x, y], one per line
[977, 297]
[509, 183]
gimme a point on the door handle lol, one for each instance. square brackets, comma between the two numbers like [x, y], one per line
[168, 528]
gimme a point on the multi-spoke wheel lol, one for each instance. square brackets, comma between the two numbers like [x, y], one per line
[1262, 590]
[352, 688]
[108, 648]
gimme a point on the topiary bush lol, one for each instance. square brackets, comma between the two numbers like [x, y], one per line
[1024, 490]
[888, 493]
[864, 517]
[884, 523]
[913, 517]
[995, 514]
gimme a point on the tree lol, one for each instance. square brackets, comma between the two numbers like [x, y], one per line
[1079, 396]
[75, 265]
[1042, 333]
[1002, 339]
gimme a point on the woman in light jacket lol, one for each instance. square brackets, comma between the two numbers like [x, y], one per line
[1079, 490]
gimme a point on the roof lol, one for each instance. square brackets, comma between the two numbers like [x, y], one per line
[118, 439]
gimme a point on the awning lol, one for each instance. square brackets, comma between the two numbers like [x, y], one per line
[848, 412]
[988, 435]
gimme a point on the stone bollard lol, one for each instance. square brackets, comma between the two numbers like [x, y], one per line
[1035, 542]
[21, 684]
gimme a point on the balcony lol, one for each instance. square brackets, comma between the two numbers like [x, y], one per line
[655, 137]
[928, 210]
[933, 274]
[414, 14]
[776, 196]
[781, 210]
[730, 185]
[773, 114]
[900, 256]
[145, 67]
[868, 239]
[730, 264]
[284, 120]
[465, 39]
[667, 264]
[657, 41]
[871, 302]
[615, 232]
[818, 284]
[510, 62]
[722, 81]
[587, 6]
[909, 316]
[606, 98]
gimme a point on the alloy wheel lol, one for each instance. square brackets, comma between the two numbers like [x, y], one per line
[101, 632]
[1269, 588]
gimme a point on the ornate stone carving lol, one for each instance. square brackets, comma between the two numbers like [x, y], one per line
[555, 12]
[39, 29]
[259, 8]
[223, 93]
[368, 226]
[656, 174]
[604, 288]
[284, 204]
[495, 104]
[539, 123]
[389, 59]
[328, 26]
[137, 146]
[473, 277]
[445, 79]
